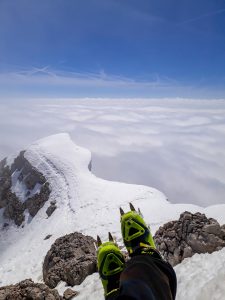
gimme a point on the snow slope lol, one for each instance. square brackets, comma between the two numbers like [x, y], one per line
[90, 205]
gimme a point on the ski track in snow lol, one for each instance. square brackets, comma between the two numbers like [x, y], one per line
[90, 205]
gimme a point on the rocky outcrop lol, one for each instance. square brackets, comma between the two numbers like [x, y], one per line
[71, 259]
[192, 233]
[35, 203]
[27, 289]
[14, 209]
[22, 187]
[5, 182]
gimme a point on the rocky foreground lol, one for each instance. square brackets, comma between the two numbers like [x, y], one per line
[28, 290]
[73, 257]
[192, 233]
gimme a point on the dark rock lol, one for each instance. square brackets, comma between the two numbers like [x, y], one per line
[35, 203]
[33, 178]
[27, 289]
[29, 176]
[162, 246]
[222, 233]
[2, 164]
[28, 194]
[196, 245]
[5, 182]
[18, 163]
[171, 233]
[192, 233]
[186, 216]
[187, 252]
[69, 294]
[71, 259]
[47, 237]
[90, 166]
[51, 208]
[14, 208]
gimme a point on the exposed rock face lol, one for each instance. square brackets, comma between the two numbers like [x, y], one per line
[21, 187]
[5, 181]
[192, 233]
[71, 259]
[33, 204]
[27, 289]
[13, 208]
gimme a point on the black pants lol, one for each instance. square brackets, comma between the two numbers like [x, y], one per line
[146, 278]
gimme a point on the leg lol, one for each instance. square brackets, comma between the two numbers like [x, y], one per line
[146, 275]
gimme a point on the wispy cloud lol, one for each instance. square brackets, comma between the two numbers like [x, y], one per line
[220, 11]
[47, 81]
[48, 76]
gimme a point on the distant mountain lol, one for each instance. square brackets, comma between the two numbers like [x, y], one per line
[48, 190]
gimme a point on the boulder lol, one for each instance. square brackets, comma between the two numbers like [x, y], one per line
[71, 259]
[192, 233]
[69, 294]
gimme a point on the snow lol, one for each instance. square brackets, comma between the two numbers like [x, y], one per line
[90, 205]
[202, 277]
[10, 159]
[90, 288]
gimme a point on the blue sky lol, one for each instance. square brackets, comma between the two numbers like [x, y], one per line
[112, 48]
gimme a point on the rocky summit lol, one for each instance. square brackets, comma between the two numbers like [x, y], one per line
[192, 233]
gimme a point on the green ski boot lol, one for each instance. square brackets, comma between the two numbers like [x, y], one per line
[136, 234]
[110, 265]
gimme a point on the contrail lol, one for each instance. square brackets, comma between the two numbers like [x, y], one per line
[204, 16]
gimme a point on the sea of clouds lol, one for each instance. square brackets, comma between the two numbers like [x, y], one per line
[175, 145]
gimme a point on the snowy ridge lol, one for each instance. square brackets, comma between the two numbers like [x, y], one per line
[90, 205]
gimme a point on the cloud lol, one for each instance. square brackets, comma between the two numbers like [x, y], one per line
[217, 12]
[51, 77]
[48, 82]
[175, 145]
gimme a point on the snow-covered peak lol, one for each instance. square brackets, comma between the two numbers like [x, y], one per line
[62, 147]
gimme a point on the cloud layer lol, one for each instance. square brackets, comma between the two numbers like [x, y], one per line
[174, 145]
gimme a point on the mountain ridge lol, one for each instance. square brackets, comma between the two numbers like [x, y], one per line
[84, 202]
